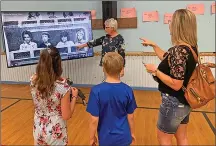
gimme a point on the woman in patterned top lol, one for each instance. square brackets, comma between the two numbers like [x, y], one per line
[173, 72]
[111, 42]
[51, 96]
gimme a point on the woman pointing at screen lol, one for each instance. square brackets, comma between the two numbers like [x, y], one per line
[111, 42]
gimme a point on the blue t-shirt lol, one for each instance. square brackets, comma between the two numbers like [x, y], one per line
[111, 102]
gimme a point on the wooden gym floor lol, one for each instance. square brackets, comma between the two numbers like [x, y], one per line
[17, 119]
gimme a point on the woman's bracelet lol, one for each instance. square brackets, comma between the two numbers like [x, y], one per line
[155, 72]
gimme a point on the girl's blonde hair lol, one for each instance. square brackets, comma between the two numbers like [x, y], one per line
[184, 28]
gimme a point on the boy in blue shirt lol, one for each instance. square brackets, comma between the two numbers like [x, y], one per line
[111, 105]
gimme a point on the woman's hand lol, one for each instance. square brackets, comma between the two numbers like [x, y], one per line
[159, 52]
[147, 42]
[79, 47]
[151, 68]
[82, 46]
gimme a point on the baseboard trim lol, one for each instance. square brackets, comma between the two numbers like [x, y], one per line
[80, 85]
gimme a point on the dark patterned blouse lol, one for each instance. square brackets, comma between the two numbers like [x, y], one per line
[109, 44]
[179, 64]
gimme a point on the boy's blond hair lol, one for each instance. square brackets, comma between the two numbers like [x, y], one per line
[113, 63]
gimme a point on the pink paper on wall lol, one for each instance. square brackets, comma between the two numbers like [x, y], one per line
[167, 17]
[213, 8]
[150, 16]
[196, 8]
[128, 12]
[93, 14]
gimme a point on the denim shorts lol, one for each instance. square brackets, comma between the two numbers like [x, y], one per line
[172, 113]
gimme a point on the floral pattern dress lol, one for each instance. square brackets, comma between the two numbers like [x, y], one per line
[49, 126]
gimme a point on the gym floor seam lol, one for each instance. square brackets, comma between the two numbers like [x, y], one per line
[207, 112]
[209, 123]
[11, 105]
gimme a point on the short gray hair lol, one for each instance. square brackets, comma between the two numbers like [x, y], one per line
[112, 23]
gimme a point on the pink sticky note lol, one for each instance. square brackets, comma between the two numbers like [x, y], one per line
[150, 16]
[196, 8]
[128, 12]
[93, 14]
[213, 8]
[167, 17]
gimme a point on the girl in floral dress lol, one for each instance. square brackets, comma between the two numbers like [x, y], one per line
[51, 96]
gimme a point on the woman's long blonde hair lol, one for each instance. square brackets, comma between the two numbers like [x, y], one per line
[183, 28]
[48, 70]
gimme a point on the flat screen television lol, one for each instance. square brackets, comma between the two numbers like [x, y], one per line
[26, 33]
